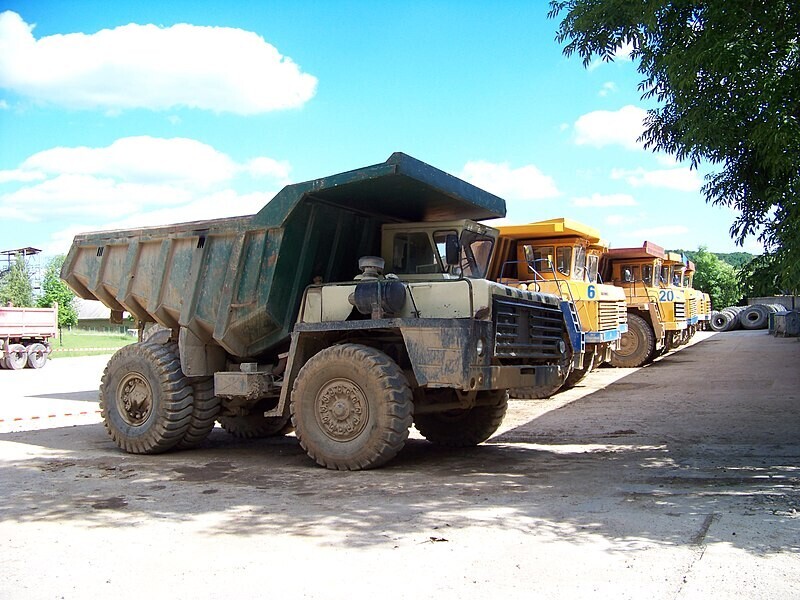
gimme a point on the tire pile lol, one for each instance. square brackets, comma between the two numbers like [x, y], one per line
[744, 317]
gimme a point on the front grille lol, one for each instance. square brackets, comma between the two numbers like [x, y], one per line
[527, 331]
[622, 312]
[680, 311]
[692, 307]
[608, 314]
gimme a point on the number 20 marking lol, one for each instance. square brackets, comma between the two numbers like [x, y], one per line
[666, 296]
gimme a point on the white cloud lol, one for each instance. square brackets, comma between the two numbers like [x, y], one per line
[604, 200]
[682, 179]
[4, 105]
[145, 66]
[608, 87]
[142, 159]
[621, 53]
[20, 175]
[145, 178]
[523, 183]
[604, 127]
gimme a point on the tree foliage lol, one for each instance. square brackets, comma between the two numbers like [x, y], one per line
[716, 278]
[759, 277]
[726, 75]
[55, 290]
[15, 285]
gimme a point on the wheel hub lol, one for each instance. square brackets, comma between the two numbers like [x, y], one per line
[134, 399]
[341, 409]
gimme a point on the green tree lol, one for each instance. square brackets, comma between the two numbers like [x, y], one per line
[15, 285]
[726, 75]
[716, 278]
[55, 290]
[759, 277]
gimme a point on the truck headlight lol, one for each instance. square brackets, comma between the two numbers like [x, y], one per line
[480, 346]
[562, 347]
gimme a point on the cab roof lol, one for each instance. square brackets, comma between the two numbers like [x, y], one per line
[552, 228]
[645, 251]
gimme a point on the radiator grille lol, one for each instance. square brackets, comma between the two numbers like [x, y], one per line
[680, 311]
[527, 331]
[608, 314]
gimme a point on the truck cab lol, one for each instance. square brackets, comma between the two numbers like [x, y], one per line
[562, 257]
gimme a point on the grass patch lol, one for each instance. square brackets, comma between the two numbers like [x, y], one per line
[78, 342]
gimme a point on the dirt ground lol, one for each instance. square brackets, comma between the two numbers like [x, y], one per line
[679, 480]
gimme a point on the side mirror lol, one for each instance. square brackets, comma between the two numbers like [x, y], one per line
[452, 249]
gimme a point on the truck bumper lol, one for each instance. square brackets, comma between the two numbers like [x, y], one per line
[601, 337]
[506, 377]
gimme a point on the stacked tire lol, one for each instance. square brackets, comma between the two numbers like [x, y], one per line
[755, 316]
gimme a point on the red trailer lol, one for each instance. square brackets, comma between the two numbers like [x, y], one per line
[25, 336]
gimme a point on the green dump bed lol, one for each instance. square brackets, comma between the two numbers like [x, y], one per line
[238, 282]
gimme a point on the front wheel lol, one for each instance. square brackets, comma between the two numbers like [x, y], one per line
[637, 344]
[351, 407]
[145, 399]
[465, 427]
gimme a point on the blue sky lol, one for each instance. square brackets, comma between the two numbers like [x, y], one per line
[126, 114]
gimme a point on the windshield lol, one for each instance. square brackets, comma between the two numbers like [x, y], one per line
[677, 276]
[592, 262]
[665, 275]
[579, 272]
[476, 250]
[414, 254]
[647, 274]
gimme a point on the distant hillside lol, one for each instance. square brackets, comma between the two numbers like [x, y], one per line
[736, 259]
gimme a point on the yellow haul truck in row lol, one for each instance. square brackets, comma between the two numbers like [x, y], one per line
[673, 274]
[562, 257]
[656, 315]
[702, 300]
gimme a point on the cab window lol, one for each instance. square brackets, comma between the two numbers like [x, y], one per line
[629, 273]
[563, 259]
[647, 274]
[413, 253]
[539, 258]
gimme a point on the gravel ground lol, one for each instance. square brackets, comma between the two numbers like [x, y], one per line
[678, 480]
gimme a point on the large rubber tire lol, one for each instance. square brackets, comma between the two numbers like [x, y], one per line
[754, 317]
[637, 344]
[17, 357]
[351, 407]
[465, 427]
[535, 393]
[37, 356]
[256, 425]
[145, 399]
[205, 408]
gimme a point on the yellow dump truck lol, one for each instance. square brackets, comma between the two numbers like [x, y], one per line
[673, 275]
[562, 257]
[656, 315]
[700, 300]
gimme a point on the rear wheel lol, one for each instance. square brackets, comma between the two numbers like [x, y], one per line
[145, 399]
[636, 345]
[17, 357]
[37, 356]
[351, 407]
[465, 427]
[255, 425]
[205, 408]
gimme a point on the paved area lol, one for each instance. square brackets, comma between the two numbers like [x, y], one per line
[678, 480]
